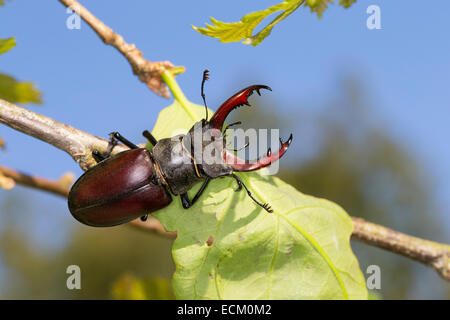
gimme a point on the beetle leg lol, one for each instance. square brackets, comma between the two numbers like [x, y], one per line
[150, 137]
[185, 198]
[118, 136]
[114, 137]
[238, 181]
[98, 156]
[265, 206]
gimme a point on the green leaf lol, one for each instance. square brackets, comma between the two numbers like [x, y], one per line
[346, 3]
[18, 92]
[243, 30]
[229, 248]
[6, 44]
[319, 6]
[375, 295]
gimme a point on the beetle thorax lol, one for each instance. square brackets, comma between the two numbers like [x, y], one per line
[175, 165]
[184, 160]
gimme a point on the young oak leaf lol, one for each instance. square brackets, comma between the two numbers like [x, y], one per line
[346, 3]
[229, 248]
[319, 6]
[243, 30]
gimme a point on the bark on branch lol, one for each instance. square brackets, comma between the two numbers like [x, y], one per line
[76, 143]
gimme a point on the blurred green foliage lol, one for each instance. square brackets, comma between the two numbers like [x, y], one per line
[12, 90]
[129, 287]
[18, 92]
[374, 295]
[103, 256]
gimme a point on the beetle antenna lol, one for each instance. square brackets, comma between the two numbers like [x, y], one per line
[245, 146]
[205, 77]
[231, 125]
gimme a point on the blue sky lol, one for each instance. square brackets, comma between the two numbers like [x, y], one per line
[406, 66]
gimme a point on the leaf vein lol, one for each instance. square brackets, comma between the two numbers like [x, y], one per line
[312, 242]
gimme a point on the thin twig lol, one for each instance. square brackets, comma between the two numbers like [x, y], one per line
[147, 71]
[432, 254]
[59, 187]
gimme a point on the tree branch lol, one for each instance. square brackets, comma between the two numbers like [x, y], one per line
[76, 143]
[59, 187]
[147, 71]
[432, 254]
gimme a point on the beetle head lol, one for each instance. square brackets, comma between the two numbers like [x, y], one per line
[207, 141]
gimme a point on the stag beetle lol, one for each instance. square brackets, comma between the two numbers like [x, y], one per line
[136, 182]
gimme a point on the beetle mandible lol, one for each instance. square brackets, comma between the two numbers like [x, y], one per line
[136, 182]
